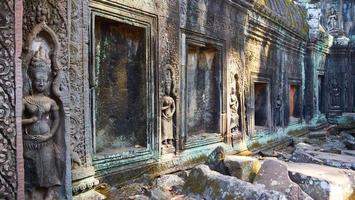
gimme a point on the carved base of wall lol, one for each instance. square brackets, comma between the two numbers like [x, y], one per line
[84, 183]
[89, 195]
[167, 149]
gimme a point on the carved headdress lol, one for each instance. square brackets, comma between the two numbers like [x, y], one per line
[40, 62]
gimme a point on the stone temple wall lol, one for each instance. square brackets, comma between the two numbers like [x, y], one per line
[331, 32]
[113, 89]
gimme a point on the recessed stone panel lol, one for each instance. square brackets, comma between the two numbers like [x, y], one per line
[120, 86]
[202, 90]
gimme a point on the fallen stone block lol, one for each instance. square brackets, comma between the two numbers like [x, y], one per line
[166, 182]
[335, 160]
[348, 152]
[158, 194]
[242, 167]
[245, 153]
[350, 144]
[215, 160]
[212, 185]
[332, 130]
[348, 139]
[274, 175]
[138, 197]
[317, 135]
[300, 156]
[305, 146]
[323, 182]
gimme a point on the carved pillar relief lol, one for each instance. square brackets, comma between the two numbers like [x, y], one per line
[168, 108]
[235, 114]
[80, 136]
[45, 103]
[41, 121]
[8, 175]
[76, 75]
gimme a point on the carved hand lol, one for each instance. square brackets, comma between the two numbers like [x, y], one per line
[30, 120]
[42, 138]
[34, 119]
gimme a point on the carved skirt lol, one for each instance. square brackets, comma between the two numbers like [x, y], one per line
[167, 129]
[41, 167]
[234, 121]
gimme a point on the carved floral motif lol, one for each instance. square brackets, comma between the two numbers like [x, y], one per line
[76, 72]
[8, 173]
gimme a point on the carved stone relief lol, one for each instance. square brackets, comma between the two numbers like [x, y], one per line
[45, 102]
[168, 108]
[76, 76]
[41, 121]
[332, 19]
[335, 93]
[278, 107]
[8, 175]
[234, 107]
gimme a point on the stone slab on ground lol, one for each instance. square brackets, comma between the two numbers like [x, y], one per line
[348, 139]
[274, 175]
[305, 146]
[242, 167]
[168, 181]
[350, 144]
[323, 182]
[348, 152]
[335, 160]
[213, 185]
[301, 156]
[89, 195]
[158, 194]
[215, 160]
[137, 197]
[332, 129]
[317, 134]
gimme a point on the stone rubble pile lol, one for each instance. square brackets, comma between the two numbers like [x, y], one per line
[319, 166]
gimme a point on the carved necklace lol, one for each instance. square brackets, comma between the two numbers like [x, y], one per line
[36, 102]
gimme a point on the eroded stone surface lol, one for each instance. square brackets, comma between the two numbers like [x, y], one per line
[274, 175]
[168, 181]
[318, 134]
[348, 139]
[213, 185]
[242, 167]
[348, 152]
[335, 160]
[322, 182]
[158, 194]
[300, 156]
[305, 146]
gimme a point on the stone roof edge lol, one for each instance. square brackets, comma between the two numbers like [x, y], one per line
[276, 18]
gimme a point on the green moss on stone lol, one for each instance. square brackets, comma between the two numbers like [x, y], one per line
[254, 145]
[298, 132]
[198, 160]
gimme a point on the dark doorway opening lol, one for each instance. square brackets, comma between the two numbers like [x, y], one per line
[261, 104]
[321, 93]
[294, 103]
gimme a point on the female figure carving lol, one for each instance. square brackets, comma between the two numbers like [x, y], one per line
[234, 105]
[167, 111]
[41, 122]
[332, 19]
